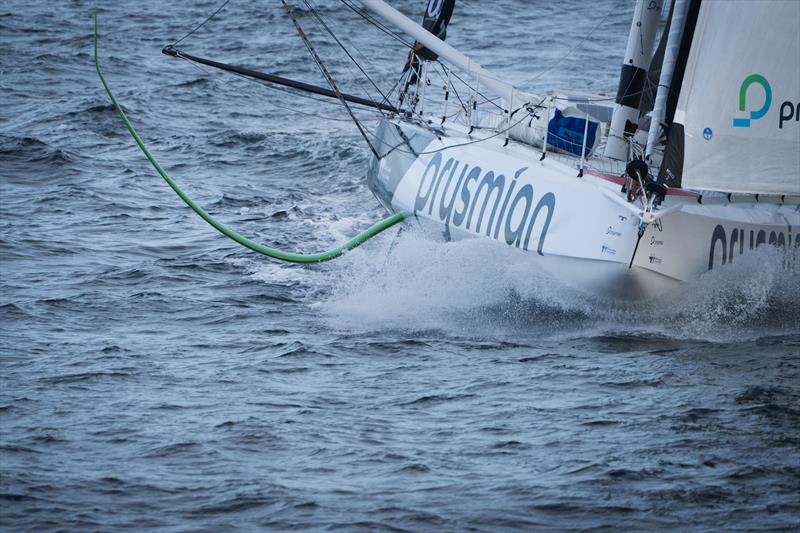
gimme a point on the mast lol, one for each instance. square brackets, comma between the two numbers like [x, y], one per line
[638, 54]
[680, 9]
[441, 48]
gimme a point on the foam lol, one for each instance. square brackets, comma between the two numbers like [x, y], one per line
[468, 288]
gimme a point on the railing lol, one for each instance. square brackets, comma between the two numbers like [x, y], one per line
[462, 102]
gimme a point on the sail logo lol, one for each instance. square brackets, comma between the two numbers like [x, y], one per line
[760, 112]
[789, 112]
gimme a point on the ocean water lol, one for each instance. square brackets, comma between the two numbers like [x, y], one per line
[154, 375]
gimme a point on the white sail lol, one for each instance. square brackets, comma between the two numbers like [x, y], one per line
[740, 98]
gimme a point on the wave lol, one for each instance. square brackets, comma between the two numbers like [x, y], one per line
[234, 139]
[92, 110]
[195, 83]
[21, 152]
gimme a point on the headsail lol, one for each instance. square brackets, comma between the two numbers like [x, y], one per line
[741, 127]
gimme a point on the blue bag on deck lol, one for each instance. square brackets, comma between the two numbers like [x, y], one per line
[566, 133]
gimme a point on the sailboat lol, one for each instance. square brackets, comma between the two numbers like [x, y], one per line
[694, 164]
[594, 198]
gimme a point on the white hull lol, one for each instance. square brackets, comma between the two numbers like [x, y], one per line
[581, 231]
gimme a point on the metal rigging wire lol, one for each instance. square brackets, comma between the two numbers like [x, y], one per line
[405, 43]
[344, 48]
[378, 24]
[329, 78]
[475, 141]
[211, 16]
[577, 45]
[300, 94]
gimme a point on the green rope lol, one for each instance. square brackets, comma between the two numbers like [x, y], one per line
[247, 243]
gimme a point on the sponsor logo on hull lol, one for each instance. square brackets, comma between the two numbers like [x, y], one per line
[483, 201]
[606, 250]
[733, 240]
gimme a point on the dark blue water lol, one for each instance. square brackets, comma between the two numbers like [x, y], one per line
[157, 376]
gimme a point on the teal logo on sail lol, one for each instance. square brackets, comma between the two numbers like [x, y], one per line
[758, 113]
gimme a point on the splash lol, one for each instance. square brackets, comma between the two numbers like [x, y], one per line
[417, 283]
[754, 297]
[413, 282]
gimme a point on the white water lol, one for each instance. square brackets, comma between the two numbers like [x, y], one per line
[471, 288]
